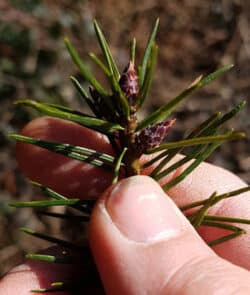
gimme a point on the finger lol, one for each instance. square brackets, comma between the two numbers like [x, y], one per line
[76, 179]
[33, 275]
[69, 177]
[199, 185]
[142, 244]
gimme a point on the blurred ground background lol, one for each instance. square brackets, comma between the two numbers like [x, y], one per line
[195, 37]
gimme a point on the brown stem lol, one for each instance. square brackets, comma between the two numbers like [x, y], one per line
[127, 138]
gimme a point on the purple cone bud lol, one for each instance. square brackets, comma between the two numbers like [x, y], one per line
[152, 136]
[129, 82]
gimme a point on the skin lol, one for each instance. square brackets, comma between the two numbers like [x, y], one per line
[140, 241]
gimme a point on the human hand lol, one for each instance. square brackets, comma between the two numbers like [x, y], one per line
[140, 241]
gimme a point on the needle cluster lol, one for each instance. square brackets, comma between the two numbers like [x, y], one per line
[114, 113]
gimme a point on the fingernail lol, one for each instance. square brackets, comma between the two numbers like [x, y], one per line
[142, 212]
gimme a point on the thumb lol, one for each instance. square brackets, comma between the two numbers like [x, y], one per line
[142, 244]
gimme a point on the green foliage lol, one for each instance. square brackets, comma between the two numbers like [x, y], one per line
[163, 112]
[74, 116]
[147, 53]
[115, 115]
